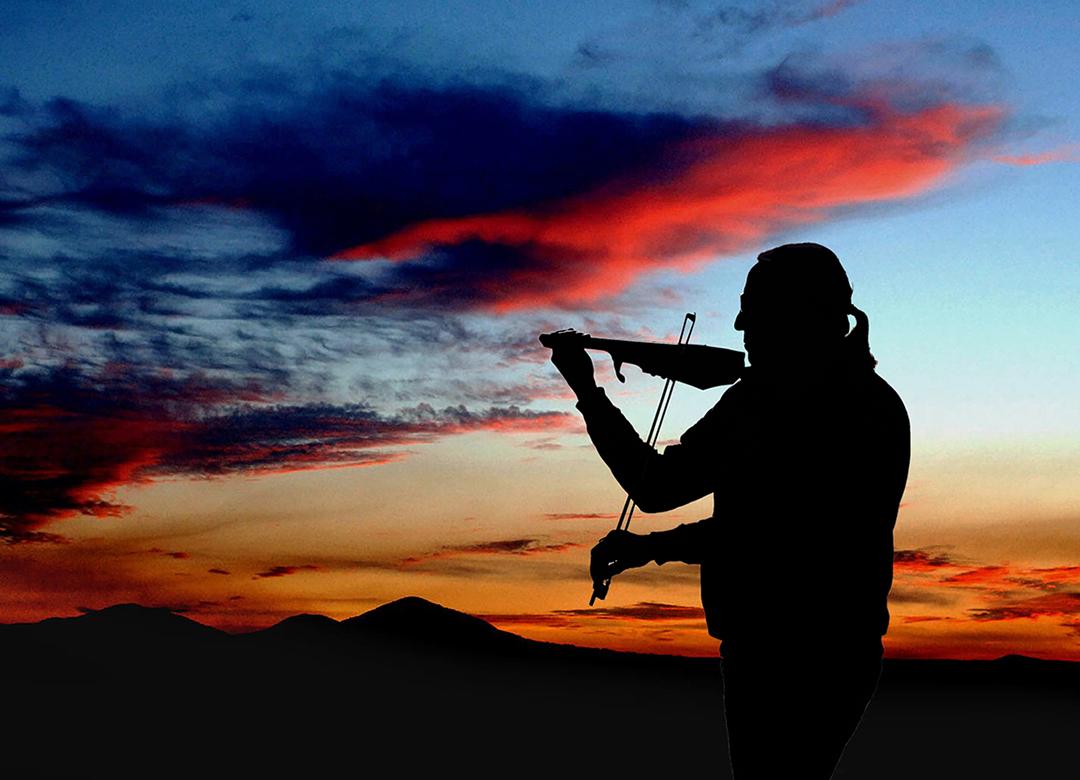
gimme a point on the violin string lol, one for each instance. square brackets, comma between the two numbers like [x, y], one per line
[669, 389]
[630, 505]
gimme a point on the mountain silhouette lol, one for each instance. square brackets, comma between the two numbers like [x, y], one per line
[420, 620]
[303, 627]
[133, 620]
[412, 688]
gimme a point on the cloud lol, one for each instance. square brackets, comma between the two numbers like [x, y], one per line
[74, 437]
[175, 555]
[920, 560]
[1069, 153]
[335, 159]
[683, 37]
[490, 196]
[218, 571]
[725, 191]
[580, 516]
[523, 547]
[1049, 605]
[979, 576]
[546, 620]
[643, 610]
[921, 594]
[283, 571]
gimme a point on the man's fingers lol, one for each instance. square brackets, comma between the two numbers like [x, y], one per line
[604, 566]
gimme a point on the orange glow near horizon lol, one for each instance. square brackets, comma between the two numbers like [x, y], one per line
[523, 572]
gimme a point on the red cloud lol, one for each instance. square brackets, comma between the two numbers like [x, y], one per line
[1068, 153]
[56, 462]
[68, 441]
[979, 576]
[1052, 604]
[721, 193]
[1058, 573]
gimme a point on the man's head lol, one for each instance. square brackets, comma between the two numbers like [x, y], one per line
[796, 302]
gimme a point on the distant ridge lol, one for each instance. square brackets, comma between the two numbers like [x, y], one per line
[410, 619]
[303, 627]
[130, 621]
[128, 691]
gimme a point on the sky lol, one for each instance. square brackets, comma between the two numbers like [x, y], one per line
[271, 277]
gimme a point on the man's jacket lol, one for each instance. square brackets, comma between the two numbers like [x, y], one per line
[807, 478]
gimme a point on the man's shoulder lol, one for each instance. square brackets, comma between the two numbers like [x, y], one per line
[882, 405]
[885, 393]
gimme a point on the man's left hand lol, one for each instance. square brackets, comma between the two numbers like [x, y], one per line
[617, 552]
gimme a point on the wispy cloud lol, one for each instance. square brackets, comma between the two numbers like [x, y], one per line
[283, 571]
[522, 547]
[132, 426]
[1049, 605]
[579, 516]
[1069, 153]
[643, 610]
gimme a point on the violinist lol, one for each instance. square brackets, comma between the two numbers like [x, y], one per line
[806, 457]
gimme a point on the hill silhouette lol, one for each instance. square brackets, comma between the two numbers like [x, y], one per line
[412, 687]
[415, 618]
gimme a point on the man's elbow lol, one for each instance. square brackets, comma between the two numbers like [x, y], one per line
[650, 503]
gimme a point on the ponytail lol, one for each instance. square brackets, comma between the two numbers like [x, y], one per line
[857, 343]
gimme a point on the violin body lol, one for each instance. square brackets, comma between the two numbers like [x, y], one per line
[697, 365]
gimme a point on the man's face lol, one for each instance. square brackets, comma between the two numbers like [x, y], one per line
[778, 327]
[762, 322]
[776, 330]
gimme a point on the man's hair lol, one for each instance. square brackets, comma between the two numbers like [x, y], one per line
[808, 282]
[806, 278]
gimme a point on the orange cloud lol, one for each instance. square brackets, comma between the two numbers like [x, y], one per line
[501, 547]
[720, 193]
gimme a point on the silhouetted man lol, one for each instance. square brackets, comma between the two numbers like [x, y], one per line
[807, 457]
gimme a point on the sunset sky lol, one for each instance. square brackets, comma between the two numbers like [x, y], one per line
[271, 278]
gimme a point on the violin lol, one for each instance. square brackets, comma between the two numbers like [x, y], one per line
[697, 365]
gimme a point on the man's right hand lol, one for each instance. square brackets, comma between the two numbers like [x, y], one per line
[576, 367]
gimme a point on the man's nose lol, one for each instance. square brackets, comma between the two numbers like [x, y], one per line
[739, 323]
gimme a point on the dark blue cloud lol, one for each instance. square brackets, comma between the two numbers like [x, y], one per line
[341, 163]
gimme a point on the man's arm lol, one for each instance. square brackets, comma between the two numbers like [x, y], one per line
[657, 482]
[622, 550]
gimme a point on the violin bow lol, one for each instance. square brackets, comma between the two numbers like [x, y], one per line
[600, 588]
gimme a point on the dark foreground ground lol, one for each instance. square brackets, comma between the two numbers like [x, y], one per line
[415, 690]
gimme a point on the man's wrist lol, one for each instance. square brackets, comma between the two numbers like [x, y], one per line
[587, 395]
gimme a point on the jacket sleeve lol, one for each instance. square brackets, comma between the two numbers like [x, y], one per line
[657, 482]
[688, 542]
